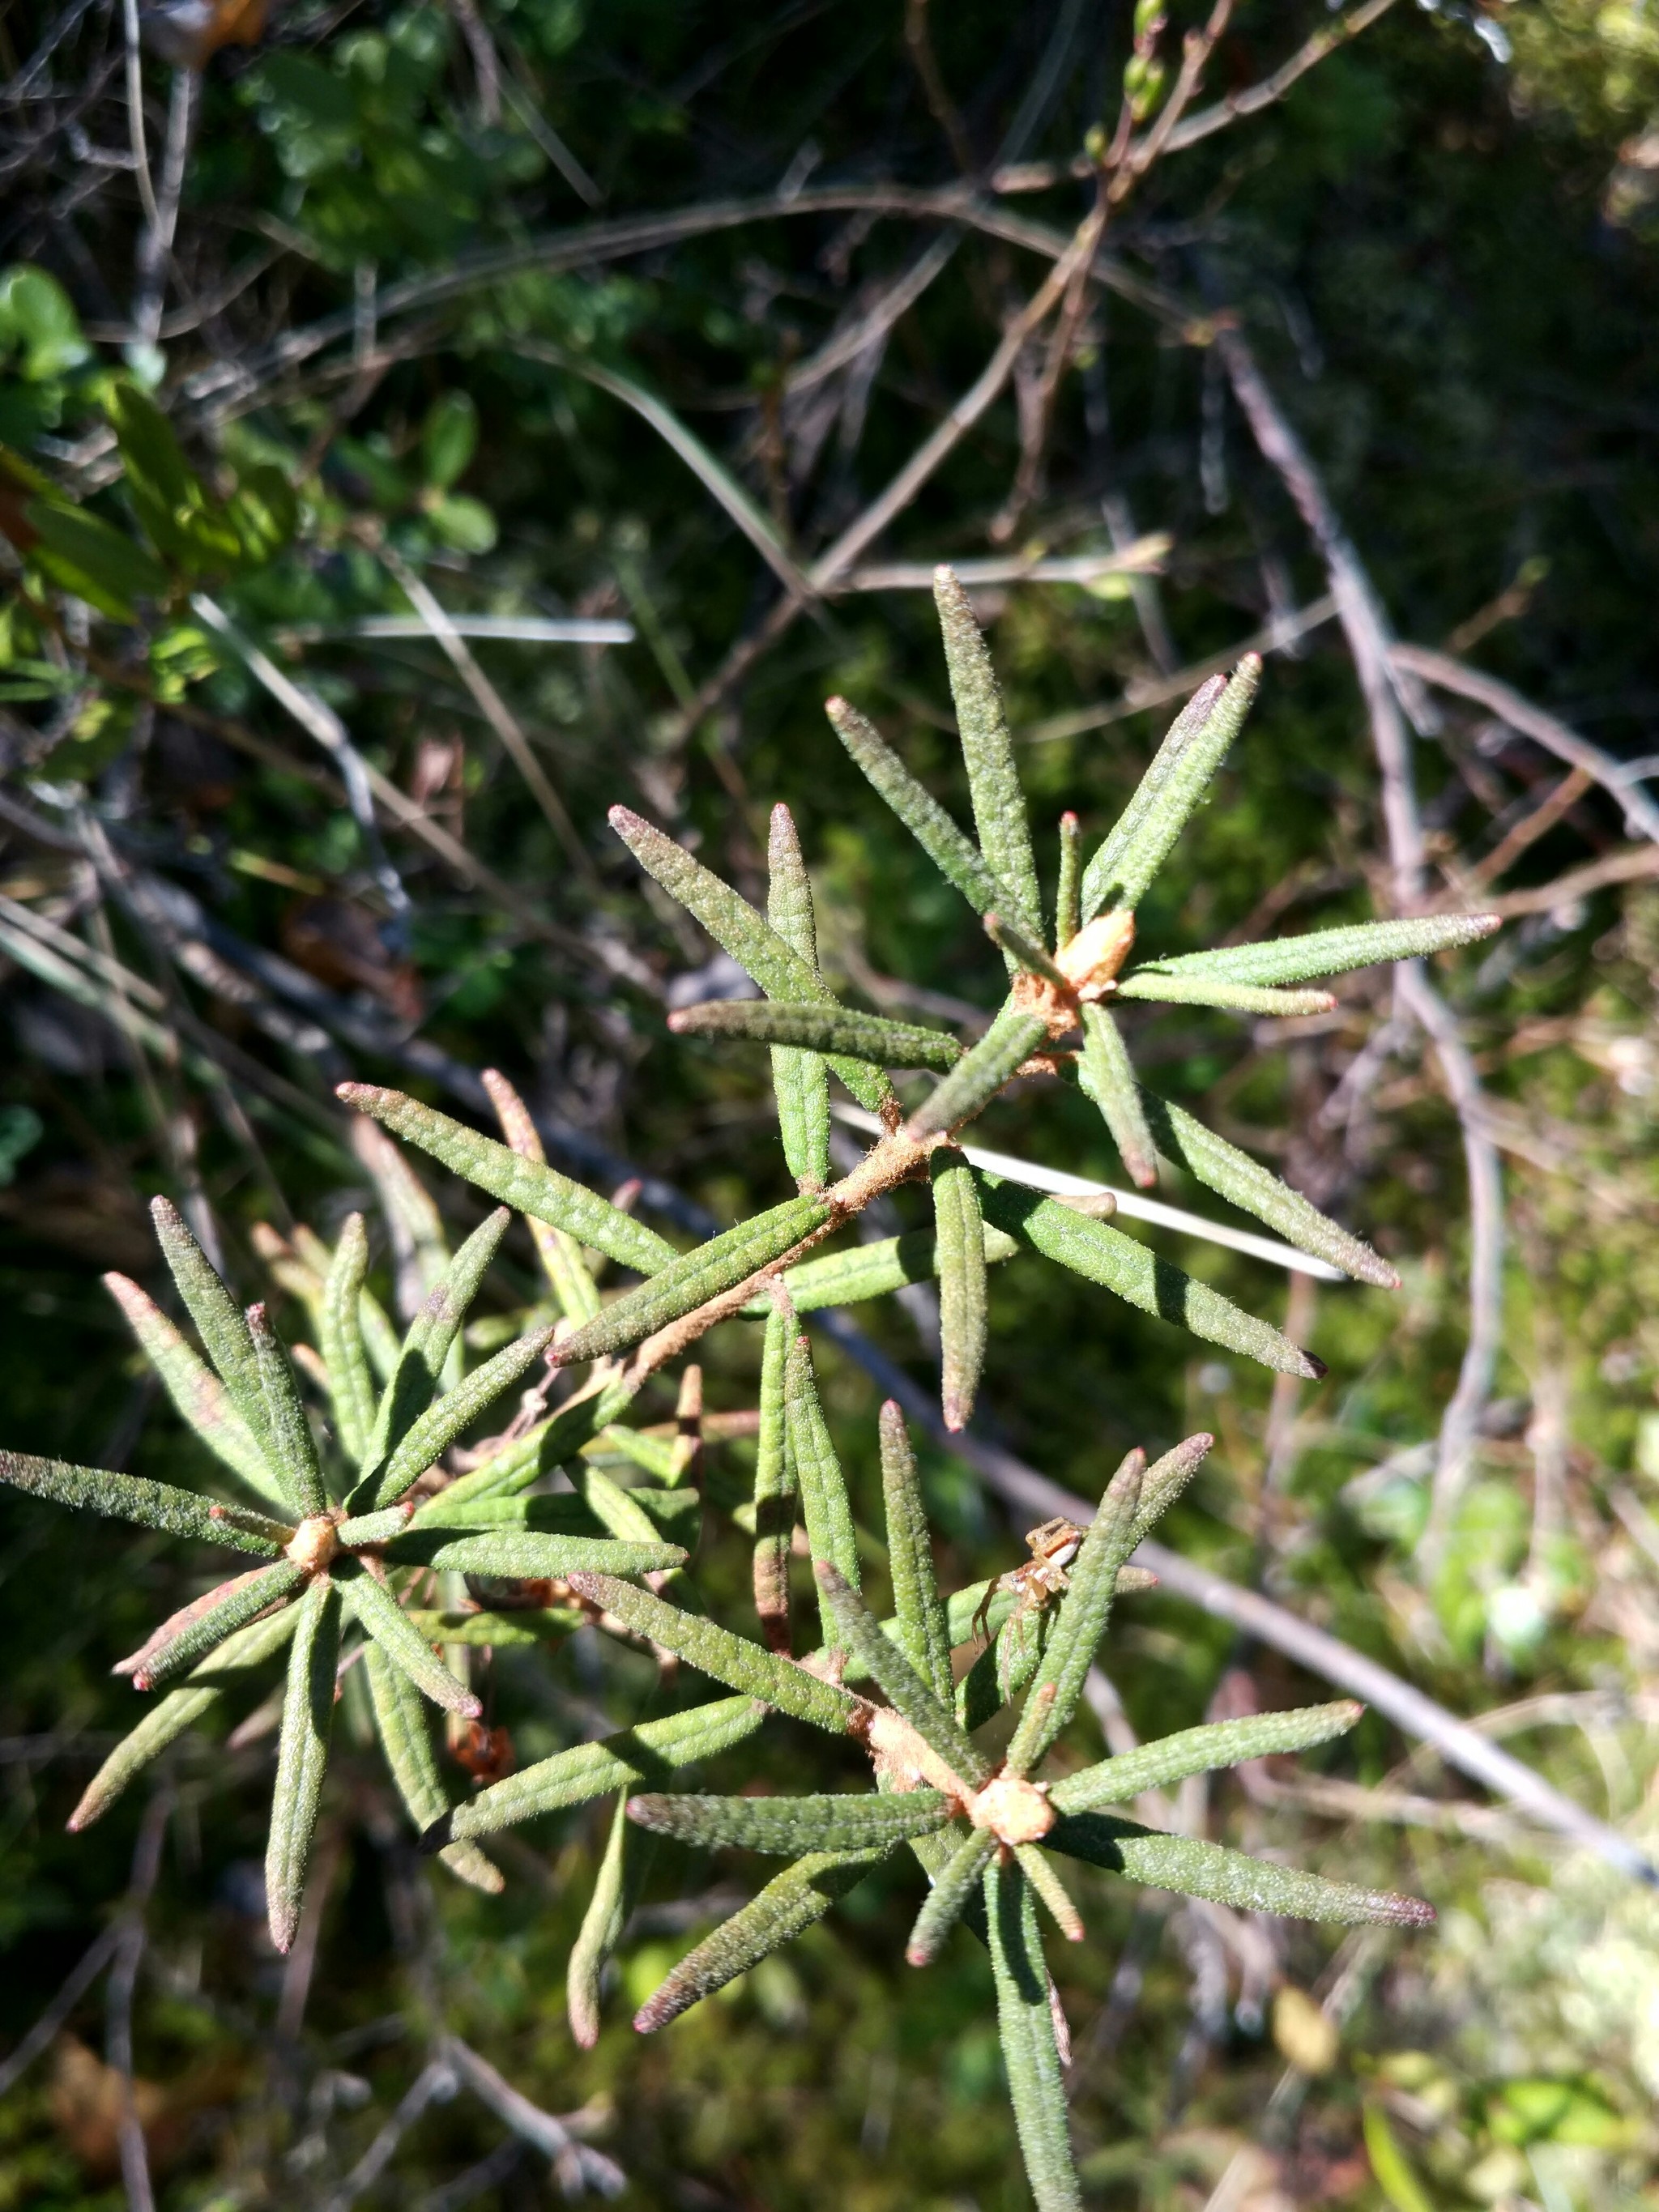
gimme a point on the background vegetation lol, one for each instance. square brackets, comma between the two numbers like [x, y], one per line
[627, 316]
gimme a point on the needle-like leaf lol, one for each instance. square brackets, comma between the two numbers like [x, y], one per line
[1024, 951]
[151, 1505]
[1198, 1751]
[786, 1825]
[799, 1079]
[739, 929]
[1098, 877]
[775, 1486]
[301, 1756]
[716, 1651]
[1068, 893]
[423, 1357]
[1004, 836]
[528, 1556]
[922, 1626]
[201, 1398]
[1224, 1877]
[344, 1354]
[779, 1023]
[602, 1926]
[954, 1887]
[1234, 1176]
[527, 1186]
[429, 1438]
[1040, 1871]
[1107, 1256]
[871, 1270]
[1166, 1478]
[880, 1656]
[559, 1252]
[523, 1463]
[980, 1073]
[201, 1626]
[650, 1753]
[293, 1448]
[220, 1322]
[959, 1243]
[1036, 2085]
[1213, 991]
[825, 1508]
[695, 1277]
[1329, 951]
[1107, 1077]
[789, 1905]
[400, 1721]
[380, 1616]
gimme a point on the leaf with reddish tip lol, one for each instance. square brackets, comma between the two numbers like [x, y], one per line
[201, 1626]
[151, 1505]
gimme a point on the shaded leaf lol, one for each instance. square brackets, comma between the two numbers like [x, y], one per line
[379, 1614]
[776, 1022]
[955, 1885]
[1107, 1077]
[921, 1628]
[301, 1756]
[800, 1080]
[423, 1357]
[959, 1245]
[1198, 1750]
[1068, 892]
[871, 1270]
[791, 1824]
[526, 1458]
[401, 1722]
[293, 1448]
[826, 1509]
[340, 1327]
[560, 1253]
[527, 1557]
[1036, 2083]
[602, 1926]
[978, 1075]
[879, 1656]
[774, 1487]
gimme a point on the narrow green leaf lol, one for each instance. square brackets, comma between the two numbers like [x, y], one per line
[776, 1022]
[1004, 836]
[1068, 893]
[201, 1399]
[220, 1322]
[527, 1186]
[921, 1628]
[1041, 1872]
[1024, 952]
[293, 1448]
[301, 1756]
[1084, 1610]
[800, 1080]
[1330, 952]
[655, 1454]
[1166, 1478]
[1198, 1751]
[1099, 875]
[618, 1511]
[954, 1887]
[695, 1277]
[560, 1253]
[959, 1242]
[716, 1651]
[400, 1721]
[1107, 1077]
[151, 1505]
[358, 1530]
[427, 1439]
[1224, 1877]
[201, 1626]
[789, 1905]
[423, 1357]
[1107, 1256]
[526, 1625]
[527, 1557]
[953, 854]
[1036, 2088]
[870, 1271]
[181, 1709]
[1141, 852]
[380, 1616]
[650, 1753]
[522, 1463]
[1213, 991]
[826, 1509]
[880, 1656]
[341, 1330]
[602, 1926]
[1234, 1176]
[739, 929]
[774, 1487]
[978, 1075]
[1391, 2168]
[786, 1825]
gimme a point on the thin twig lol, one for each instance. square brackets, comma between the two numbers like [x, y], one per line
[136, 115]
[118, 1996]
[155, 246]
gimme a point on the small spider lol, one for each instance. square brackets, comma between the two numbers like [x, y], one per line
[1052, 1549]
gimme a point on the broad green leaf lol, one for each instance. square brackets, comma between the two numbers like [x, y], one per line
[774, 1487]
[527, 1186]
[401, 1722]
[151, 1505]
[880, 1656]
[1106, 1077]
[776, 1022]
[423, 1358]
[785, 1908]
[955, 1885]
[560, 1253]
[614, 1889]
[427, 1439]
[799, 1079]
[650, 1753]
[1159, 820]
[695, 1278]
[201, 1399]
[340, 1327]
[1068, 893]
[201, 1626]
[959, 1243]
[263, 513]
[449, 437]
[921, 1628]
[981, 1072]
[220, 1322]
[301, 1756]
[1198, 1751]
[1166, 1478]
[381, 1616]
[1393, 2170]
[1213, 991]
[1329, 951]
[739, 929]
[1036, 2088]
[953, 854]
[1004, 836]
[826, 1509]
[1107, 1256]
[788, 1826]
[716, 1651]
[1081, 1623]
[1234, 1176]
[1224, 1877]
[871, 1270]
[83, 555]
[293, 1448]
[526, 1557]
